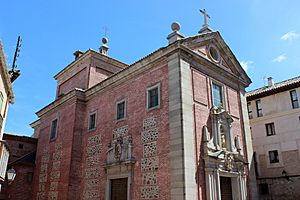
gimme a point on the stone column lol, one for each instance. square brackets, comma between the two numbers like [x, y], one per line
[212, 179]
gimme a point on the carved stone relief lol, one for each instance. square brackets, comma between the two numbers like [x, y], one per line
[55, 173]
[53, 186]
[150, 161]
[92, 183]
[94, 150]
[150, 135]
[149, 122]
[149, 149]
[92, 171]
[149, 178]
[41, 194]
[149, 192]
[52, 195]
[120, 148]
[149, 164]
[91, 194]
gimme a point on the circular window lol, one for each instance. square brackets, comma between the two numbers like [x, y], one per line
[214, 54]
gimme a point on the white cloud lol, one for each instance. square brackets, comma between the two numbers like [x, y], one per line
[280, 58]
[292, 35]
[246, 64]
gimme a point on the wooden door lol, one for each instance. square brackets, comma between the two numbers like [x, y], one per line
[118, 189]
[226, 189]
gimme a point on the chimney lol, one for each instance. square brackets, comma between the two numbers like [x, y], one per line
[77, 54]
[175, 35]
[270, 82]
[104, 48]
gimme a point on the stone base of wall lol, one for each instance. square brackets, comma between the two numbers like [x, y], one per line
[281, 188]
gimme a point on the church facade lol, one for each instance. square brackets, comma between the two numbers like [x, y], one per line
[172, 125]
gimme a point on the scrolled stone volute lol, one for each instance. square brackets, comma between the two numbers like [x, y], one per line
[205, 133]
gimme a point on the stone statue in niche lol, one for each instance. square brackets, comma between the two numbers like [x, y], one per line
[221, 150]
[120, 148]
[228, 161]
[223, 138]
[222, 129]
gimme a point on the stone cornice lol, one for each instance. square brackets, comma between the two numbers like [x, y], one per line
[35, 123]
[141, 65]
[76, 94]
[218, 38]
[213, 67]
[4, 73]
[144, 64]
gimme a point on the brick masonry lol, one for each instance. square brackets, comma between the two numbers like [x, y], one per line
[21, 187]
[167, 141]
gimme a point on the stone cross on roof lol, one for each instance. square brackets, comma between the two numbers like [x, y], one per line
[205, 17]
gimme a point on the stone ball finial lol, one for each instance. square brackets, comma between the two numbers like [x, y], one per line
[104, 40]
[175, 26]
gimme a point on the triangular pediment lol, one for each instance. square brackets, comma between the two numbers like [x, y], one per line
[213, 48]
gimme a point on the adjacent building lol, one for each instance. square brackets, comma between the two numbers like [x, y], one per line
[6, 97]
[22, 151]
[172, 125]
[275, 123]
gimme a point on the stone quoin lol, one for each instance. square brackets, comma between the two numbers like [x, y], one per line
[181, 131]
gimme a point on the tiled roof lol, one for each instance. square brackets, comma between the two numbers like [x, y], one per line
[276, 88]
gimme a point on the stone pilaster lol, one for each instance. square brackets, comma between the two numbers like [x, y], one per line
[249, 149]
[182, 155]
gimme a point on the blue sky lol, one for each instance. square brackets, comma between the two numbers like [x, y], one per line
[264, 36]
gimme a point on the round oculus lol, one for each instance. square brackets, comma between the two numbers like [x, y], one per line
[214, 53]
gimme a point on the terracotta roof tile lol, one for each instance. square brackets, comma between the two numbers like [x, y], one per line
[277, 87]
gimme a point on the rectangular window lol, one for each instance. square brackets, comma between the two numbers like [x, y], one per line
[249, 110]
[273, 156]
[53, 129]
[121, 110]
[294, 99]
[217, 95]
[92, 121]
[263, 188]
[270, 129]
[153, 97]
[258, 108]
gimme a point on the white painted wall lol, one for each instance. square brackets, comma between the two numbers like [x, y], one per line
[276, 108]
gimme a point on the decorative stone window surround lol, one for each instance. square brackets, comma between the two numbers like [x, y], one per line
[267, 159]
[89, 118]
[224, 94]
[56, 130]
[213, 47]
[157, 85]
[125, 109]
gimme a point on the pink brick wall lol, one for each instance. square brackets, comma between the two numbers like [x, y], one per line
[202, 105]
[66, 117]
[73, 134]
[79, 80]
